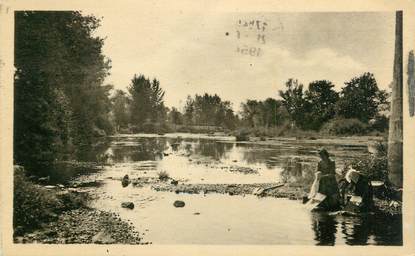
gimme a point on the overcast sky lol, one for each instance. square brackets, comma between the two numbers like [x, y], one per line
[197, 52]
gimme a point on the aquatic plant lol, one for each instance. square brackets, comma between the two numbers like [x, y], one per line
[163, 175]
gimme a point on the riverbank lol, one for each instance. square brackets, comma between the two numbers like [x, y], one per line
[83, 226]
[293, 191]
[60, 214]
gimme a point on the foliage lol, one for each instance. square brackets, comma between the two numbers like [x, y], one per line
[379, 123]
[209, 110]
[268, 113]
[320, 103]
[120, 109]
[163, 175]
[374, 166]
[343, 126]
[361, 99]
[58, 94]
[294, 101]
[175, 117]
[147, 103]
[33, 205]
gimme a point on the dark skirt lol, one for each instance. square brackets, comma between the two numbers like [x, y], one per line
[328, 186]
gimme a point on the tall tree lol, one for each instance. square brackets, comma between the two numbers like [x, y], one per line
[395, 140]
[147, 103]
[321, 102]
[120, 109]
[294, 101]
[209, 110]
[59, 97]
[175, 117]
[361, 98]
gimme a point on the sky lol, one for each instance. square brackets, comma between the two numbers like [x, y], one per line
[193, 53]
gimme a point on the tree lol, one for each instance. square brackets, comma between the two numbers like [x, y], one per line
[268, 113]
[321, 101]
[120, 109]
[209, 110]
[294, 101]
[59, 98]
[250, 113]
[147, 105]
[189, 110]
[175, 117]
[361, 98]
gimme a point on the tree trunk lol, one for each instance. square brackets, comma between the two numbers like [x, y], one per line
[395, 140]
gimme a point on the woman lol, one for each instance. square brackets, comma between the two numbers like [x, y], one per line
[325, 183]
[356, 191]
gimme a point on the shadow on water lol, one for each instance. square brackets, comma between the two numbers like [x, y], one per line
[145, 149]
[358, 230]
[85, 160]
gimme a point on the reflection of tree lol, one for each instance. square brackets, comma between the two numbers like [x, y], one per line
[147, 149]
[214, 149]
[277, 155]
[92, 153]
[324, 227]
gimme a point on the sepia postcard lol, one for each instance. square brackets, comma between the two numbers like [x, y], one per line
[207, 127]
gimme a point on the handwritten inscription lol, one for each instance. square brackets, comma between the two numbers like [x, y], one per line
[251, 34]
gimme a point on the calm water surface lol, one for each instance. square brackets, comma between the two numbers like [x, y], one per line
[223, 219]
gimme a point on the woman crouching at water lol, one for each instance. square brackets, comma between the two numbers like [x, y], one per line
[325, 188]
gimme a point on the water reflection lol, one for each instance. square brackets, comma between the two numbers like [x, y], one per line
[357, 230]
[144, 150]
[324, 228]
[135, 156]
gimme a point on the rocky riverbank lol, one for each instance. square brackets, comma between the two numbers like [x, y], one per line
[261, 189]
[60, 214]
[84, 226]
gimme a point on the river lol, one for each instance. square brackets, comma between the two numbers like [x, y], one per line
[220, 218]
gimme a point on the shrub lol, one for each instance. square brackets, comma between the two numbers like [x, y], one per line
[163, 175]
[32, 204]
[342, 126]
[374, 166]
[380, 123]
[242, 135]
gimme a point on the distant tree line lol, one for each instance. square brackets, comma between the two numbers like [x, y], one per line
[359, 100]
[359, 105]
[142, 109]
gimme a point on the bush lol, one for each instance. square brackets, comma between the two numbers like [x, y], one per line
[32, 204]
[163, 175]
[380, 123]
[374, 166]
[342, 126]
[242, 135]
